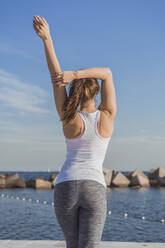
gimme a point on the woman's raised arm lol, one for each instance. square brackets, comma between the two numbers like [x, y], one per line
[42, 29]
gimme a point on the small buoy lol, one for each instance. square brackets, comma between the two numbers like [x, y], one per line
[162, 221]
[30, 199]
[23, 199]
[37, 200]
[125, 214]
[109, 212]
[53, 203]
[17, 197]
[45, 202]
[143, 217]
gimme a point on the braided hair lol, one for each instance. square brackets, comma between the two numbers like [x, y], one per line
[80, 91]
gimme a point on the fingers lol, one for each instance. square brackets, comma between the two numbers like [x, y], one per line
[39, 20]
[58, 74]
[34, 21]
[57, 79]
[36, 27]
[44, 20]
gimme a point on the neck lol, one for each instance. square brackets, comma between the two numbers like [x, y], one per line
[88, 108]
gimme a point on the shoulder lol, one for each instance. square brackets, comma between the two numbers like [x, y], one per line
[72, 128]
[73, 121]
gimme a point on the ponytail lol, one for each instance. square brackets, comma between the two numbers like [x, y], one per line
[80, 91]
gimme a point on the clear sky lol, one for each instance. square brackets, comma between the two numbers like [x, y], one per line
[126, 36]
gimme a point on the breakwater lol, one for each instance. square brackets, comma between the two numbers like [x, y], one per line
[134, 179]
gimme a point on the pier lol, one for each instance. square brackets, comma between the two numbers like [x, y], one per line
[62, 244]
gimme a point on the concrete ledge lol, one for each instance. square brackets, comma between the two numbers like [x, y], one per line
[62, 244]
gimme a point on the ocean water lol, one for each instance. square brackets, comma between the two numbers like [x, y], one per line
[24, 219]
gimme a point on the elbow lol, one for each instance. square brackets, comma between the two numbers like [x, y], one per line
[108, 70]
[113, 112]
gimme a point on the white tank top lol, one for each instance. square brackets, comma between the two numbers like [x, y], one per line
[85, 153]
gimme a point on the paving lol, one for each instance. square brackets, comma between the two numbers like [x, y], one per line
[62, 244]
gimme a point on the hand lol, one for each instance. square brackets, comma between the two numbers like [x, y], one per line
[63, 78]
[41, 27]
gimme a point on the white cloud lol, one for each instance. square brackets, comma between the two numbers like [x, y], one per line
[21, 96]
[12, 132]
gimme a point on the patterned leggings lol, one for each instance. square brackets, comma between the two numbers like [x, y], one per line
[81, 207]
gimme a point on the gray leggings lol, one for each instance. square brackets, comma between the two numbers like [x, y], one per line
[81, 208]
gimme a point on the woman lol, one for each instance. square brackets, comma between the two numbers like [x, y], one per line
[80, 202]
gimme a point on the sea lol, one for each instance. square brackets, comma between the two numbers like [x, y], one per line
[136, 215]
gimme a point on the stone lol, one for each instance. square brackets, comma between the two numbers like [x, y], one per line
[14, 181]
[114, 173]
[11, 178]
[161, 181]
[41, 177]
[159, 175]
[134, 173]
[154, 182]
[140, 180]
[20, 183]
[43, 184]
[39, 183]
[136, 187]
[53, 177]
[151, 174]
[119, 180]
[107, 176]
[2, 176]
[2, 183]
[129, 175]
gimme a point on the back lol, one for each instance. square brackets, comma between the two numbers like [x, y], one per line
[86, 153]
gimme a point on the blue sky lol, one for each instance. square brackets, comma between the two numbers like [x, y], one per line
[126, 36]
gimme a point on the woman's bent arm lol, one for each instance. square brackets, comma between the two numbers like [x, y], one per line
[108, 95]
[99, 73]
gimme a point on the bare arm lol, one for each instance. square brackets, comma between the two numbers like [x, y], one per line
[41, 27]
[52, 61]
[60, 94]
[100, 73]
[108, 94]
